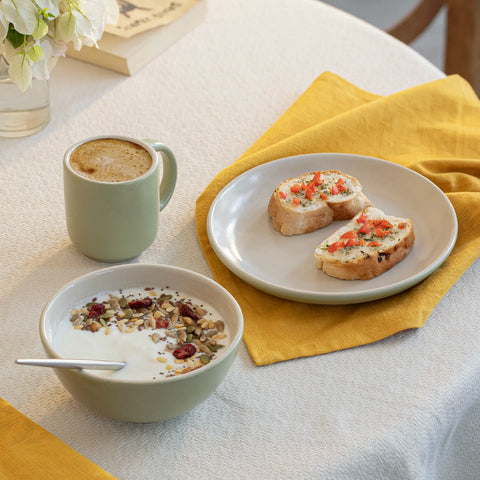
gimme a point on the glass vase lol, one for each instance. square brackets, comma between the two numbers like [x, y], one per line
[22, 113]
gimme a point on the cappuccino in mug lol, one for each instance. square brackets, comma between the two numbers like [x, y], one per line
[110, 160]
[114, 190]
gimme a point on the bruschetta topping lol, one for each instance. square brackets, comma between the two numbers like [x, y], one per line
[314, 188]
[365, 234]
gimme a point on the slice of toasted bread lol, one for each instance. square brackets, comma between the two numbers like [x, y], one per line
[370, 244]
[314, 200]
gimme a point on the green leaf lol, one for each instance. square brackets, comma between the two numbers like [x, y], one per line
[16, 39]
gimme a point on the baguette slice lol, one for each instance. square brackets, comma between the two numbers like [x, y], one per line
[326, 196]
[370, 244]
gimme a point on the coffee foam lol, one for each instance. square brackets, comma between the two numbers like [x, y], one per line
[110, 160]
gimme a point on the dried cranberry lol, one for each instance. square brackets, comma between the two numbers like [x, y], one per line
[186, 311]
[161, 323]
[136, 304]
[96, 310]
[185, 351]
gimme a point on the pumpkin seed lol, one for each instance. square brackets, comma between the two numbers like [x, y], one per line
[204, 359]
[216, 347]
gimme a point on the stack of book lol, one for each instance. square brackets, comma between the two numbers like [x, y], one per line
[146, 29]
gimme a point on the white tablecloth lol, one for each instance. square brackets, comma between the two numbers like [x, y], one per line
[407, 407]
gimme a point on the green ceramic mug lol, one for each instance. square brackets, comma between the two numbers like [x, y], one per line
[112, 220]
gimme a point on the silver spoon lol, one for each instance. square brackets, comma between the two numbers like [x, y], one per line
[69, 363]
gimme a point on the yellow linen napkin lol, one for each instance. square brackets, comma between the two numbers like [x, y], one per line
[433, 129]
[27, 451]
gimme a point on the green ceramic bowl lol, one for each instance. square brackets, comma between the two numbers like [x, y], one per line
[140, 400]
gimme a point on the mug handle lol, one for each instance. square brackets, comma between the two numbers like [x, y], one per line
[169, 178]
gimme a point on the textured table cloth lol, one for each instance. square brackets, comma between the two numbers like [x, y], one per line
[407, 407]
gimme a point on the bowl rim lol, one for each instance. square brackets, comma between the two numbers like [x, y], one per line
[230, 349]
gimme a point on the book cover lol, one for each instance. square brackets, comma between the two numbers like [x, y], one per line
[146, 29]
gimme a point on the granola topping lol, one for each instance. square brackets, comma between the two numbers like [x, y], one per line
[170, 333]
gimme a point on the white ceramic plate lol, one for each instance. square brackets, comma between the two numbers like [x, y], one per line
[241, 232]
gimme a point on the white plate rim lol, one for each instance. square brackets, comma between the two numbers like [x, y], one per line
[318, 297]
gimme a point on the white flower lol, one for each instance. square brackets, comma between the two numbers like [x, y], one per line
[52, 6]
[52, 51]
[3, 26]
[20, 70]
[90, 20]
[21, 13]
[66, 25]
[34, 33]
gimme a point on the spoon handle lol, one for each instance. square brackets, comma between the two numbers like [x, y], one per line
[78, 364]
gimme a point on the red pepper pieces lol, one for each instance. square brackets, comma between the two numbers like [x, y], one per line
[335, 246]
[365, 228]
[350, 234]
[379, 232]
[341, 185]
[316, 179]
[362, 218]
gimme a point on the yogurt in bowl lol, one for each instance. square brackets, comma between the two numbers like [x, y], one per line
[178, 331]
[157, 331]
